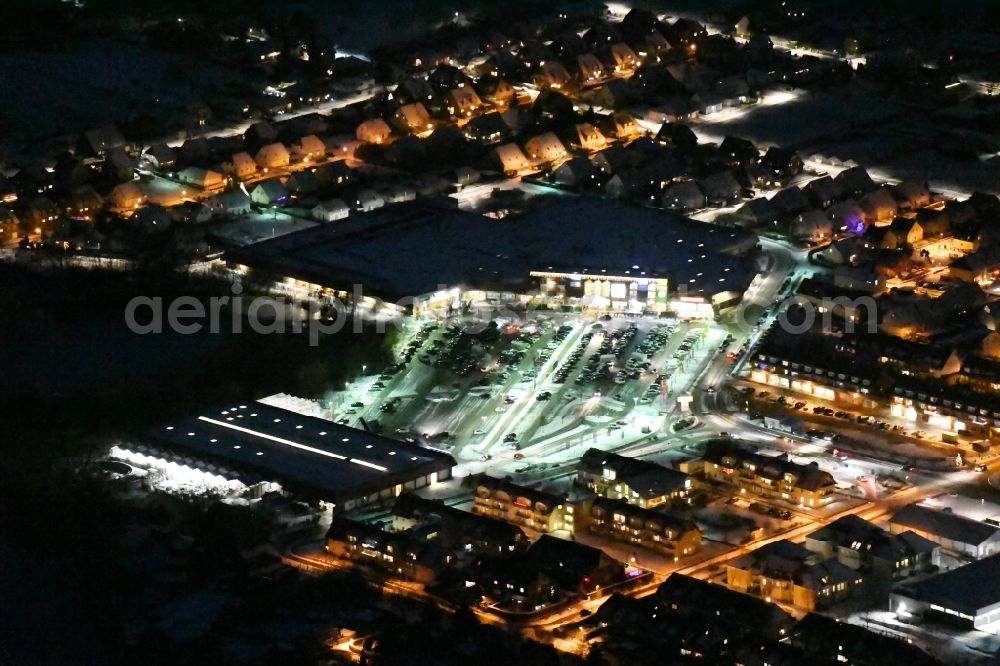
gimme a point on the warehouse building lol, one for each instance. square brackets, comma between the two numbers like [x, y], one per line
[953, 532]
[586, 254]
[967, 597]
[253, 443]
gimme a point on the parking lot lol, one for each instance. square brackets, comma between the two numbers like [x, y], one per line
[508, 394]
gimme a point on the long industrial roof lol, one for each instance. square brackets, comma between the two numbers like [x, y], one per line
[418, 248]
[301, 451]
[969, 589]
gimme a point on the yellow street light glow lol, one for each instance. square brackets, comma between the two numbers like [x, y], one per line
[295, 445]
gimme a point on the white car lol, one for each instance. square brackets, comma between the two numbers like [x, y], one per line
[478, 431]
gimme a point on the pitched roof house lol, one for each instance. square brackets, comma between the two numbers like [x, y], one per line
[273, 156]
[546, 147]
[373, 130]
[269, 192]
[309, 148]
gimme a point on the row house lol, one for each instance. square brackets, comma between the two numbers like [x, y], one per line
[946, 405]
[789, 573]
[661, 532]
[644, 484]
[520, 505]
[773, 477]
[859, 544]
[399, 554]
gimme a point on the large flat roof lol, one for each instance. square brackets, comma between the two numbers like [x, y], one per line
[944, 524]
[970, 589]
[420, 247]
[303, 452]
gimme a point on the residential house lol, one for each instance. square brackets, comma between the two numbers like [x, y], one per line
[734, 90]
[646, 182]
[758, 213]
[616, 94]
[823, 192]
[512, 160]
[678, 136]
[309, 148]
[589, 138]
[119, 165]
[902, 233]
[303, 182]
[373, 130]
[786, 572]
[530, 508]
[331, 211]
[83, 202]
[231, 203]
[41, 214]
[464, 101]
[551, 74]
[653, 46]
[397, 553]
[259, 134]
[684, 196]
[790, 201]
[98, 142]
[818, 639]
[573, 566]
[8, 190]
[10, 226]
[911, 194]
[622, 126]
[866, 278]
[335, 174]
[413, 119]
[623, 59]
[982, 265]
[782, 163]
[203, 179]
[487, 129]
[812, 225]
[708, 605]
[773, 477]
[721, 188]
[273, 156]
[496, 91]
[708, 102]
[644, 484]
[242, 166]
[546, 147]
[457, 530]
[127, 196]
[590, 67]
[269, 192]
[737, 151]
[368, 200]
[879, 206]
[612, 160]
[399, 193]
[847, 216]
[661, 532]
[578, 172]
[859, 544]
[855, 181]
[152, 218]
[673, 109]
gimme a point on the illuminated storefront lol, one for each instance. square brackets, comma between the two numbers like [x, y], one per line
[621, 293]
